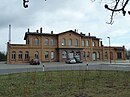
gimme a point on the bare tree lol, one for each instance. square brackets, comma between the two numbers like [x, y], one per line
[25, 3]
[112, 5]
[115, 6]
[119, 6]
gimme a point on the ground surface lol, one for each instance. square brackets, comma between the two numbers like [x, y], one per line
[66, 84]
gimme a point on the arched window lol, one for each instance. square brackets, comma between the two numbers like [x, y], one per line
[70, 42]
[84, 54]
[93, 43]
[20, 55]
[63, 42]
[52, 55]
[98, 55]
[46, 55]
[26, 55]
[36, 41]
[36, 55]
[13, 55]
[76, 42]
[64, 54]
[52, 41]
[82, 42]
[46, 41]
[106, 54]
[87, 43]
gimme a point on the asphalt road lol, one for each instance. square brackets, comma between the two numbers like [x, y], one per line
[8, 69]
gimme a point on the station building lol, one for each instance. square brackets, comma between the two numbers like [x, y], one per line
[50, 47]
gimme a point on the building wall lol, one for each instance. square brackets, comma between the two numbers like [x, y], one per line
[88, 48]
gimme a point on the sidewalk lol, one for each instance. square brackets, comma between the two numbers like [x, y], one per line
[51, 64]
[12, 66]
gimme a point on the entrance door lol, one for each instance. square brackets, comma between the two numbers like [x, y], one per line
[77, 55]
[94, 56]
[71, 55]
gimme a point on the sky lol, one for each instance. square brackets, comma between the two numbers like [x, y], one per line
[59, 16]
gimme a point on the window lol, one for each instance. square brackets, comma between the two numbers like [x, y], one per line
[87, 43]
[64, 54]
[88, 54]
[52, 55]
[36, 41]
[70, 42]
[98, 55]
[46, 41]
[13, 55]
[26, 55]
[82, 42]
[20, 55]
[93, 43]
[106, 54]
[52, 41]
[76, 42]
[119, 55]
[63, 42]
[46, 55]
[36, 55]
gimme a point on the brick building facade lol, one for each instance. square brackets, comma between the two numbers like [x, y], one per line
[59, 47]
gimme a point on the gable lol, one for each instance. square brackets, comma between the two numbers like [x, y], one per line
[69, 33]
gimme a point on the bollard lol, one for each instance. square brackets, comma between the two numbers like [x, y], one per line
[43, 67]
[87, 66]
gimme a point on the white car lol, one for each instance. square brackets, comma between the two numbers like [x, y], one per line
[70, 61]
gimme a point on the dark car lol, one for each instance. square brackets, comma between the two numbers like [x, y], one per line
[34, 62]
[78, 60]
[70, 61]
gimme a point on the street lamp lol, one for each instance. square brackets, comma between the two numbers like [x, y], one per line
[109, 50]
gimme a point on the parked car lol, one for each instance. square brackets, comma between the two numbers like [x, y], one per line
[34, 62]
[78, 60]
[70, 61]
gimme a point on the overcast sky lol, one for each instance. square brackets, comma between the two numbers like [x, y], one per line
[59, 16]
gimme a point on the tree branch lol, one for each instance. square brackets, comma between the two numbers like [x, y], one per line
[117, 10]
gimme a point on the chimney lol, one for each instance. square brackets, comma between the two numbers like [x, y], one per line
[74, 30]
[88, 34]
[101, 43]
[28, 29]
[51, 32]
[37, 31]
[41, 30]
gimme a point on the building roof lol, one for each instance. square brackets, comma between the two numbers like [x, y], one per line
[40, 34]
[51, 34]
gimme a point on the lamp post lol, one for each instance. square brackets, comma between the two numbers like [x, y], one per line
[109, 50]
